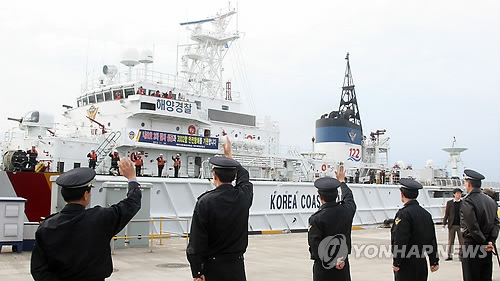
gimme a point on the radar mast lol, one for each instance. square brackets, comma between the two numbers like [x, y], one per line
[348, 108]
[201, 63]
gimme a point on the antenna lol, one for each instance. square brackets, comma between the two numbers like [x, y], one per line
[130, 59]
[455, 158]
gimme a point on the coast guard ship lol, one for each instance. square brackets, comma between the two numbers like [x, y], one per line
[143, 112]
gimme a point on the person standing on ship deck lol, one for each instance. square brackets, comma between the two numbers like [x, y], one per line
[161, 164]
[32, 155]
[138, 165]
[75, 243]
[92, 159]
[115, 158]
[332, 221]
[177, 165]
[219, 228]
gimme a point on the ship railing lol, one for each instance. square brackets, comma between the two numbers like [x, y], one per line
[159, 233]
[173, 81]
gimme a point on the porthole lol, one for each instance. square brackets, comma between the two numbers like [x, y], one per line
[142, 124]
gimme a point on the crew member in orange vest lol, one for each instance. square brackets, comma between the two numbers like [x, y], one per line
[169, 95]
[161, 164]
[92, 159]
[138, 165]
[140, 91]
[177, 165]
[115, 157]
[32, 154]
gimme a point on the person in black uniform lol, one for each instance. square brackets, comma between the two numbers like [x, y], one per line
[75, 243]
[332, 222]
[412, 234]
[219, 227]
[480, 226]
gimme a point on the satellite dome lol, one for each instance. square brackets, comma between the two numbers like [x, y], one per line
[146, 56]
[130, 57]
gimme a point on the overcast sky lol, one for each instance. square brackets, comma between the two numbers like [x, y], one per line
[424, 70]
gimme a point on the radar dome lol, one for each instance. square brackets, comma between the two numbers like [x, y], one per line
[146, 56]
[429, 163]
[130, 57]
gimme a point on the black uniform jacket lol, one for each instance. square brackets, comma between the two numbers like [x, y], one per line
[75, 243]
[413, 227]
[332, 218]
[478, 218]
[220, 222]
[449, 213]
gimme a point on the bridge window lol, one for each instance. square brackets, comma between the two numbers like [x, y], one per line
[118, 94]
[107, 96]
[129, 92]
[33, 116]
[91, 99]
[198, 104]
[99, 97]
[79, 102]
[85, 101]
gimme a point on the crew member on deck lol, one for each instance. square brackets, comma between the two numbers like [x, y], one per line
[157, 94]
[74, 244]
[177, 165]
[92, 159]
[140, 91]
[115, 157]
[32, 154]
[138, 165]
[169, 95]
[161, 164]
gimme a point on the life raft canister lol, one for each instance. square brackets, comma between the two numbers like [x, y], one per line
[192, 129]
[323, 167]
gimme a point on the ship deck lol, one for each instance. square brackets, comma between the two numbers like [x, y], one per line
[269, 257]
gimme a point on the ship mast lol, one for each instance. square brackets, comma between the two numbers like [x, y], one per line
[201, 63]
[348, 108]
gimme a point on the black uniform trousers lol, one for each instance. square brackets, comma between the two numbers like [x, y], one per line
[92, 164]
[138, 171]
[322, 274]
[477, 268]
[232, 269]
[412, 269]
[176, 171]
[160, 170]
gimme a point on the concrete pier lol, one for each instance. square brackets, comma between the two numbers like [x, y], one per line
[269, 257]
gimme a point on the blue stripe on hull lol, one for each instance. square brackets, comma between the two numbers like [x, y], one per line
[338, 134]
